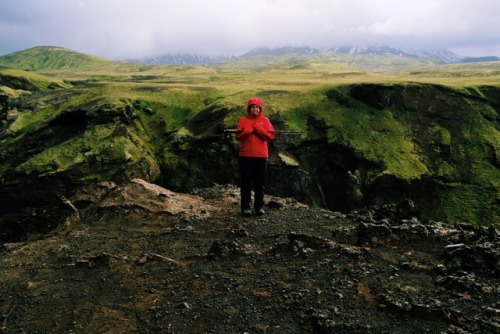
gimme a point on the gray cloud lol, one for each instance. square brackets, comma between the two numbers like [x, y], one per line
[124, 29]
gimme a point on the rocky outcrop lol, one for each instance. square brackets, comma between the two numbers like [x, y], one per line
[78, 146]
[138, 257]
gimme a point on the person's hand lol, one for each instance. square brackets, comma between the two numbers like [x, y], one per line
[259, 128]
[261, 132]
[248, 130]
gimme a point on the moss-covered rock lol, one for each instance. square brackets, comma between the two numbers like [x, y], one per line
[74, 146]
[430, 143]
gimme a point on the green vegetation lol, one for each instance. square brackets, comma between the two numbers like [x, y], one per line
[431, 129]
[14, 79]
[42, 58]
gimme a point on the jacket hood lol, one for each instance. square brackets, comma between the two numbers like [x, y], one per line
[256, 101]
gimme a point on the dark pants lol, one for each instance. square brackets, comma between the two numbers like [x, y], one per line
[253, 172]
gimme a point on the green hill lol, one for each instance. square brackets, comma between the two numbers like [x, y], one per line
[50, 57]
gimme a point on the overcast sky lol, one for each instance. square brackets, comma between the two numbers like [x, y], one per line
[128, 29]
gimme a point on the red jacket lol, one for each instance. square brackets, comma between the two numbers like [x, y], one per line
[254, 131]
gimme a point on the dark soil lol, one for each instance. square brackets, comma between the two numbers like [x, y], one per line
[137, 258]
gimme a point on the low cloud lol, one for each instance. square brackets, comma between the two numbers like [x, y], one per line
[125, 29]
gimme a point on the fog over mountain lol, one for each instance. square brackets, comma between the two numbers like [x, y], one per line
[446, 56]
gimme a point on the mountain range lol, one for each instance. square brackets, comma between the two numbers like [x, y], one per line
[445, 56]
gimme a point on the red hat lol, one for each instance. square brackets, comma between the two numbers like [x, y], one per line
[256, 101]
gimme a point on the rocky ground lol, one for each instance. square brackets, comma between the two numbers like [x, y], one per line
[137, 258]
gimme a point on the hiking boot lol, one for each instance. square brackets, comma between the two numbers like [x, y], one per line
[246, 213]
[260, 211]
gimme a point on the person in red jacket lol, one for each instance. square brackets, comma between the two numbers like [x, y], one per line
[253, 131]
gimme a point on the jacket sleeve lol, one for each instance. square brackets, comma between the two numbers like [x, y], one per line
[243, 132]
[266, 131]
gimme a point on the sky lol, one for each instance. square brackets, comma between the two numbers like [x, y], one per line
[136, 29]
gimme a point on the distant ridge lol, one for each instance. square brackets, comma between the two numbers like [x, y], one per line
[264, 51]
[446, 56]
[184, 59]
[443, 55]
[374, 50]
[479, 59]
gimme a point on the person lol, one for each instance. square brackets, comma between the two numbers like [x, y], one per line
[253, 132]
